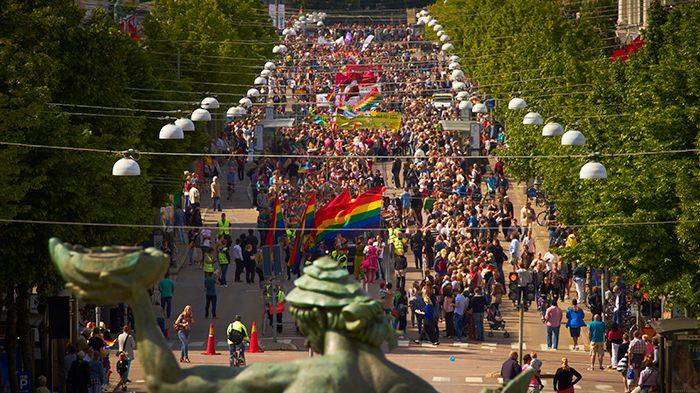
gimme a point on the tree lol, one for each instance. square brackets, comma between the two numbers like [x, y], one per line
[650, 103]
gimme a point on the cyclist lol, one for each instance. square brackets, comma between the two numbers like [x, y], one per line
[236, 334]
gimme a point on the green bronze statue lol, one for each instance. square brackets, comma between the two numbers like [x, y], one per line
[339, 320]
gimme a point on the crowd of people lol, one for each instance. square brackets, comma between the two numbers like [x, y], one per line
[451, 211]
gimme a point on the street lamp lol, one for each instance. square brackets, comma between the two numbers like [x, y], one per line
[454, 66]
[459, 86]
[552, 129]
[245, 102]
[200, 114]
[127, 165]
[253, 92]
[260, 81]
[447, 47]
[171, 131]
[444, 38]
[185, 123]
[573, 138]
[593, 170]
[532, 118]
[517, 103]
[458, 76]
[236, 111]
[454, 59]
[480, 108]
[210, 103]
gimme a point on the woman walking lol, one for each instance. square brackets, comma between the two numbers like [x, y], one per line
[575, 322]
[371, 263]
[183, 325]
[615, 339]
[449, 307]
[564, 377]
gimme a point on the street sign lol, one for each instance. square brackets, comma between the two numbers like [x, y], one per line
[23, 382]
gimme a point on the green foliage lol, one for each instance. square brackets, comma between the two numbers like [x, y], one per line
[559, 65]
[51, 54]
[225, 41]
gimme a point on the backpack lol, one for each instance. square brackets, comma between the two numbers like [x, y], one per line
[235, 336]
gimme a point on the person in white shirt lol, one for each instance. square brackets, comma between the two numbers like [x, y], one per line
[549, 259]
[238, 258]
[127, 344]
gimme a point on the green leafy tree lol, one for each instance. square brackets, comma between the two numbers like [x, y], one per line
[559, 65]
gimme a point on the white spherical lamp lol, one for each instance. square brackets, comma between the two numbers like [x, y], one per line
[253, 93]
[447, 47]
[210, 103]
[573, 138]
[552, 129]
[517, 104]
[532, 118]
[593, 170]
[171, 131]
[126, 166]
[236, 111]
[185, 123]
[479, 108]
[201, 114]
[245, 102]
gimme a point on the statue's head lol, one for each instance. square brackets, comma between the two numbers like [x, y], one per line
[327, 299]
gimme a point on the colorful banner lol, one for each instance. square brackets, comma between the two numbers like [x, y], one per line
[322, 100]
[376, 120]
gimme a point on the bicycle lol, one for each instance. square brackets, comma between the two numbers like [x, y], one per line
[239, 356]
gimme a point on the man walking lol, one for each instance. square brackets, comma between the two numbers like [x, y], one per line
[215, 188]
[166, 286]
[417, 248]
[224, 261]
[510, 368]
[238, 258]
[210, 292]
[458, 315]
[552, 318]
[478, 306]
[596, 334]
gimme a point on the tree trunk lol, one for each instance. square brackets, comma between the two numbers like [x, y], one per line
[11, 338]
[24, 332]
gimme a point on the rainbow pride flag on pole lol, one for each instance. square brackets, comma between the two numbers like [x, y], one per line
[306, 223]
[276, 225]
[368, 102]
[346, 216]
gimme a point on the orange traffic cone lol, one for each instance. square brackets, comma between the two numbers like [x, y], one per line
[254, 346]
[211, 345]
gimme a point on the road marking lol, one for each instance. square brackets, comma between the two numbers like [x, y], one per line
[489, 344]
[458, 344]
[607, 388]
[473, 380]
[441, 379]
[516, 346]
[403, 343]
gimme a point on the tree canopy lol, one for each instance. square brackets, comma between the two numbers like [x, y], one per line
[642, 221]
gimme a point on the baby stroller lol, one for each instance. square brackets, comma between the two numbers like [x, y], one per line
[496, 322]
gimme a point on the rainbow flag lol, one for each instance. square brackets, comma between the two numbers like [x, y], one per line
[349, 216]
[306, 223]
[112, 344]
[276, 225]
[369, 101]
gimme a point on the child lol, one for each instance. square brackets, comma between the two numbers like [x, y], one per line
[122, 369]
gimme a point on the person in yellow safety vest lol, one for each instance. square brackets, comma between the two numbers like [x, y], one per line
[341, 256]
[208, 263]
[276, 298]
[223, 263]
[399, 244]
[224, 226]
[236, 326]
[291, 234]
